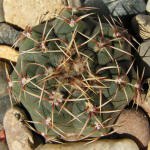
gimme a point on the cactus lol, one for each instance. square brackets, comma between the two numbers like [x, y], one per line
[74, 75]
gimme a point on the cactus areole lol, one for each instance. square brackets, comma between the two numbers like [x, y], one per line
[74, 75]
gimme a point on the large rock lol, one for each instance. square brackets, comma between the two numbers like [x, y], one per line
[125, 7]
[17, 134]
[123, 144]
[118, 7]
[135, 123]
[30, 12]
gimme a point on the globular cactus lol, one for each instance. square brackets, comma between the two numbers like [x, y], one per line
[74, 75]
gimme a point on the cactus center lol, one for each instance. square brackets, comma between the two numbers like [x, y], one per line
[79, 66]
[73, 68]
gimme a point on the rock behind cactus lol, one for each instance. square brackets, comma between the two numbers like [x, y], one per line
[73, 75]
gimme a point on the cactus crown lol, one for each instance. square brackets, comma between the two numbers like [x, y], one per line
[74, 75]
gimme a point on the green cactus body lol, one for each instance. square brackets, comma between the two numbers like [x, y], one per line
[72, 77]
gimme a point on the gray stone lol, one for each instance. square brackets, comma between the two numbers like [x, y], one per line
[144, 52]
[119, 7]
[1, 11]
[3, 79]
[4, 106]
[103, 9]
[125, 7]
[8, 35]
